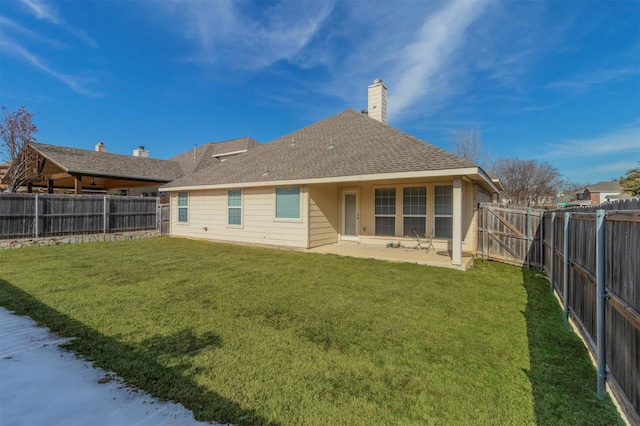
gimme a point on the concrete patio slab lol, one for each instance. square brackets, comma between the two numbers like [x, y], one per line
[437, 257]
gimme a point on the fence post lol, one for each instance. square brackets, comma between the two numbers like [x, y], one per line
[541, 230]
[600, 308]
[528, 237]
[567, 264]
[36, 226]
[482, 232]
[158, 214]
[104, 215]
[553, 250]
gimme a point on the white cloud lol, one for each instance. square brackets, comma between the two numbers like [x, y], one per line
[45, 11]
[625, 140]
[77, 83]
[617, 166]
[15, 28]
[225, 33]
[423, 64]
[582, 83]
[42, 10]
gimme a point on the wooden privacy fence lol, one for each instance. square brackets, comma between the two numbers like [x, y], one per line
[164, 215]
[592, 260]
[511, 235]
[44, 215]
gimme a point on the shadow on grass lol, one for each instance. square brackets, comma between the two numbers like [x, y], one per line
[139, 364]
[562, 377]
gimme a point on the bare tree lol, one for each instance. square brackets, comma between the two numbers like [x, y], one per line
[526, 182]
[17, 130]
[467, 143]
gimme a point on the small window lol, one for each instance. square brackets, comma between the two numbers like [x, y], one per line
[288, 203]
[443, 211]
[414, 211]
[183, 207]
[385, 211]
[234, 207]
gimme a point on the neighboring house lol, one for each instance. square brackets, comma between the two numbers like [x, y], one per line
[599, 193]
[348, 178]
[602, 192]
[61, 168]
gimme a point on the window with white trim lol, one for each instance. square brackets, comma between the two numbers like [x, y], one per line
[288, 203]
[414, 211]
[183, 207]
[234, 207]
[385, 211]
[443, 211]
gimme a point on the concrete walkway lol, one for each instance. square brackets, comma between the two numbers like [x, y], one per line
[41, 384]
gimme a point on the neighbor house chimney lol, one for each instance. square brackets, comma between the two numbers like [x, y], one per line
[378, 101]
[141, 152]
[100, 147]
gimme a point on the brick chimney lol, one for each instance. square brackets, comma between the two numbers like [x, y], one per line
[100, 147]
[377, 107]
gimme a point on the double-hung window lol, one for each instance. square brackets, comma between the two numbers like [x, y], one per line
[414, 211]
[385, 211]
[234, 207]
[444, 211]
[183, 207]
[288, 203]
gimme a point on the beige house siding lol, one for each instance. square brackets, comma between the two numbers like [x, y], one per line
[208, 218]
[367, 214]
[323, 214]
[480, 195]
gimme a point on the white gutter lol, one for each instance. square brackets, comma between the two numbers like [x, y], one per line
[337, 179]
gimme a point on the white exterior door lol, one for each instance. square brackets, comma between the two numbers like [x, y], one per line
[350, 216]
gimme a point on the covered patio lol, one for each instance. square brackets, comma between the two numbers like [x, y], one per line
[435, 257]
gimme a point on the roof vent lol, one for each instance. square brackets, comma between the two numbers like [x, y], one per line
[266, 171]
[330, 144]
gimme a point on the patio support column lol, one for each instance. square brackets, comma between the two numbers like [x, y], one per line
[456, 255]
[50, 186]
[78, 184]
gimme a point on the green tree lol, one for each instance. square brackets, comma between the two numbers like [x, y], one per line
[631, 182]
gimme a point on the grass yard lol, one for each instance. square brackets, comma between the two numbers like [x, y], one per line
[258, 336]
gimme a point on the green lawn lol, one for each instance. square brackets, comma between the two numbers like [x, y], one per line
[260, 336]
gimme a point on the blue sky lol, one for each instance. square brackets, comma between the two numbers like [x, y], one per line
[557, 81]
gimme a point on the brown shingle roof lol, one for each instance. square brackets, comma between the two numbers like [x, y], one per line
[95, 163]
[360, 146]
[612, 186]
[205, 154]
